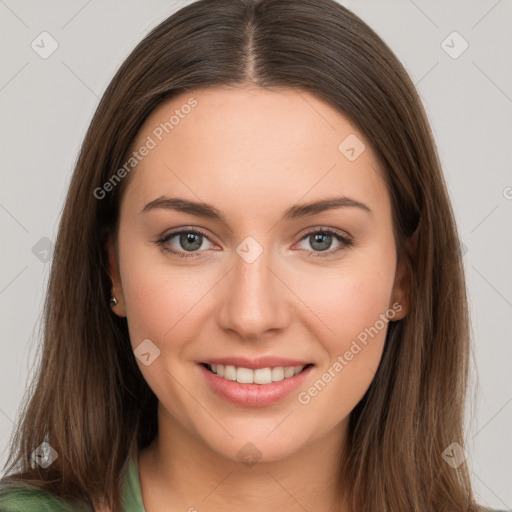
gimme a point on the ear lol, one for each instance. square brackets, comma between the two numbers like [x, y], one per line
[403, 278]
[117, 287]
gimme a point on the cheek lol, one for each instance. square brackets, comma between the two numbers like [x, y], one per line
[348, 299]
[351, 306]
[353, 356]
[160, 298]
[161, 306]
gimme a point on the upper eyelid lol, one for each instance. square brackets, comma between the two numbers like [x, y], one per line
[179, 231]
[307, 231]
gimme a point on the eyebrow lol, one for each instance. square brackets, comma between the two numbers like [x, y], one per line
[208, 211]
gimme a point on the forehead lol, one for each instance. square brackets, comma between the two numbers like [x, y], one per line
[260, 146]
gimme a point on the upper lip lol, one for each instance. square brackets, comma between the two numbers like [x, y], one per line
[254, 364]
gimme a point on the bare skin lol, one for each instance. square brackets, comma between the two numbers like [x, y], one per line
[252, 154]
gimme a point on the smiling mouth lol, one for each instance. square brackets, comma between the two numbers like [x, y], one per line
[259, 376]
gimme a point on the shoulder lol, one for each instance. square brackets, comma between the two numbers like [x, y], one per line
[22, 497]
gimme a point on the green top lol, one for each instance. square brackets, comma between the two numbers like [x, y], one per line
[26, 498]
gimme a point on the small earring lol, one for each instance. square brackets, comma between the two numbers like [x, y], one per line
[113, 300]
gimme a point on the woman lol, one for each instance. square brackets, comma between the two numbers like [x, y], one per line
[257, 299]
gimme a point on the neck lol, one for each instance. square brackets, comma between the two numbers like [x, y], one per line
[178, 469]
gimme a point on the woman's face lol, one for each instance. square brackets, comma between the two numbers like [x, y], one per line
[261, 284]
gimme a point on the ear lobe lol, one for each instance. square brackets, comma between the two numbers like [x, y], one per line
[117, 288]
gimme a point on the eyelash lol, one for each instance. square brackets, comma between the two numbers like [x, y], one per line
[344, 240]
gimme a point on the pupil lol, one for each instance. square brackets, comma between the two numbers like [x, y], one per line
[326, 241]
[193, 239]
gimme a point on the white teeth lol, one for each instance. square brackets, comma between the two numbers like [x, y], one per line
[244, 376]
[277, 373]
[229, 372]
[262, 376]
[289, 372]
[259, 376]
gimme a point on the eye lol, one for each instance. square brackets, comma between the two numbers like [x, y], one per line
[321, 240]
[189, 241]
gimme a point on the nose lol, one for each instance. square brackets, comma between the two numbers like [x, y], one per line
[255, 302]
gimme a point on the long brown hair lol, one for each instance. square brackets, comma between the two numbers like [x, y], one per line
[89, 399]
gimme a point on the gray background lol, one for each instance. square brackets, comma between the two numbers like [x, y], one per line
[46, 105]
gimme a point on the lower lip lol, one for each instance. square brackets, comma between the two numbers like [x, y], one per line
[253, 395]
